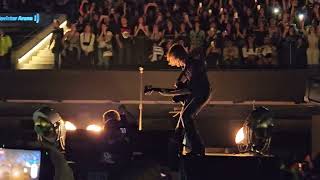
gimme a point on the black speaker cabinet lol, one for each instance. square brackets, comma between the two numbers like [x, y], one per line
[230, 167]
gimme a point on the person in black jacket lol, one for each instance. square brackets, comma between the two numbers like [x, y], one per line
[118, 133]
[194, 85]
[57, 37]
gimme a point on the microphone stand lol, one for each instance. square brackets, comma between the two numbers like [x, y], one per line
[141, 100]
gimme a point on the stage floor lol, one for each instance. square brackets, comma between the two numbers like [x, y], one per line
[225, 152]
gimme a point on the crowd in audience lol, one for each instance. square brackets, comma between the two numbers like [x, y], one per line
[231, 33]
[303, 169]
[226, 33]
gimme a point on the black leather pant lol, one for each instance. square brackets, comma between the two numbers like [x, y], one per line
[188, 115]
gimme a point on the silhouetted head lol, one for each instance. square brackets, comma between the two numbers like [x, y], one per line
[177, 55]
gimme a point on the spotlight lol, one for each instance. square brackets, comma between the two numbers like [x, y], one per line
[276, 10]
[34, 171]
[239, 136]
[255, 134]
[94, 128]
[301, 17]
[163, 175]
[16, 173]
[70, 126]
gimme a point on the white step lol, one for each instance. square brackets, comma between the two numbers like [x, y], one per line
[43, 53]
[38, 66]
[40, 63]
[46, 58]
[39, 60]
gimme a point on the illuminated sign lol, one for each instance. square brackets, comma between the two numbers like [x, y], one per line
[20, 18]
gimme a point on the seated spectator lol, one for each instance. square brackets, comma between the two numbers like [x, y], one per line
[183, 35]
[6, 44]
[95, 23]
[213, 54]
[141, 29]
[288, 46]
[250, 52]
[260, 33]
[141, 35]
[156, 38]
[273, 31]
[85, 10]
[169, 32]
[104, 19]
[240, 35]
[230, 54]
[159, 21]
[197, 37]
[71, 44]
[186, 21]
[251, 26]
[313, 45]
[268, 53]
[80, 24]
[124, 41]
[87, 39]
[301, 53]
[211, 36]
[105, 51]
[150, 12]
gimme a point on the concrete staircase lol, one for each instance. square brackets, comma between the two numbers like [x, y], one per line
[38, 56]
[42, 60]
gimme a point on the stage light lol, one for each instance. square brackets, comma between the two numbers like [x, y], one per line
[276, 10]
[239, 136]
[301, 17]
[255, 134]
[94, 128]
[28, 164]
[16, 173]
[70, 126]
[25, 170]
[34, 171]
[163, 175]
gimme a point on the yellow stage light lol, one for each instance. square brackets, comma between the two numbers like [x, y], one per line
[70, 126]
[94, 128]
[240, 136]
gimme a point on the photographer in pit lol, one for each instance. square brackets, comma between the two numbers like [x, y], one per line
[118, 133]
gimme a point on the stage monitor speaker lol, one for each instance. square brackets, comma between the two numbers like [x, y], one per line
[231, 167]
